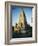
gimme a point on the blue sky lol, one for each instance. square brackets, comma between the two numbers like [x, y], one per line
[15, 11]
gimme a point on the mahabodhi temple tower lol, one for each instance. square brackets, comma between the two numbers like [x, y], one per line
[22, 24]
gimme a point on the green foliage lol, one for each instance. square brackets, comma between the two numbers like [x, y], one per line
[22, 35]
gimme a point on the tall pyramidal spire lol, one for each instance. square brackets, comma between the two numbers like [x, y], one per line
[22, 19]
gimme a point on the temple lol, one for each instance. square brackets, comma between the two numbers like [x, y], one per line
[22, 28]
